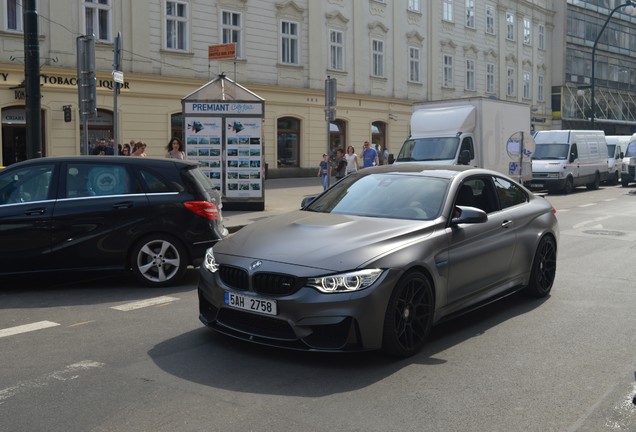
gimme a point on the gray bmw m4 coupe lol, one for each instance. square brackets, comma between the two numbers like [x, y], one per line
[378, 259]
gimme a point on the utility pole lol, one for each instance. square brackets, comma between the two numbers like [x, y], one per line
[331, 92]
[32, 80]
[118, 78]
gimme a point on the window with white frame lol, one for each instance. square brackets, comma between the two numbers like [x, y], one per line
[490, 20]
[527, 87]
[414, 5]
[511, 89]
[448, 71]
[336, 50]
[470, 74]
[377, 51]
[541, 42]
[13, 15]
[447, 10]
[510, 26]
[490, 78]
[232, 30]
[540, 88]
[176, 25]
[414, 64]
[97, 19]
[527, 31]
[289, 42]
[470, 13]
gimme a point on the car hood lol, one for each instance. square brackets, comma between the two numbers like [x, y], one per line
[323, 241]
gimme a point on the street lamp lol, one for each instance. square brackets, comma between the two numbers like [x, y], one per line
[598, 37]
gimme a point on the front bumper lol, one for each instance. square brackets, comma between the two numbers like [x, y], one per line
[307, 320]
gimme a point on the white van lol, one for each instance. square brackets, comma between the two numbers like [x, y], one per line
[566, 159]
[615, 146]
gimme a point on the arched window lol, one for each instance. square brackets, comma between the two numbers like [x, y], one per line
[378, 138]
[288, 139]
[337, 135]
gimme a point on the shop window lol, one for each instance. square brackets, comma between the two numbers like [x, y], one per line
[378, 138]
[288, 141]
[176, 126]
[338, 136]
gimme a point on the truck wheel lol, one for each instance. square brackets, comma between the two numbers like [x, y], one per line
[624, 182]
[614, 180]
[569, 186]
[595, 184]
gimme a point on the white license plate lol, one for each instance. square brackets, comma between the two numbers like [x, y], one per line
[252, 304]
[536, 186]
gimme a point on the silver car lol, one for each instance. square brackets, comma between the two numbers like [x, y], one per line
[379, 258]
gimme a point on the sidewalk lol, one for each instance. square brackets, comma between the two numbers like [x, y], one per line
[281, 196]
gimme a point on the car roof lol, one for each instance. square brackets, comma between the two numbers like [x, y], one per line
[127, 160]
[441, 171]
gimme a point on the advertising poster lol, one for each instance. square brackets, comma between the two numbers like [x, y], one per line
[244, 158]
[203, 137]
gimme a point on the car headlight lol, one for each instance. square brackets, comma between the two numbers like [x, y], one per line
[209, 262]
[345, 282]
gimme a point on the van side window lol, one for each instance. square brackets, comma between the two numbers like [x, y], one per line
[574, 153]
[467, 144]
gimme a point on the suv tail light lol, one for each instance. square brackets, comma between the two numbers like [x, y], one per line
[205, 209]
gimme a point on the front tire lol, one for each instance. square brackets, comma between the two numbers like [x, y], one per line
[158, 260]
[569, 186]
[543, 269]
[595, 184]
[409, 316]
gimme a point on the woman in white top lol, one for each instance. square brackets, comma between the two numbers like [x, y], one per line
[175, 149]
[352, 160]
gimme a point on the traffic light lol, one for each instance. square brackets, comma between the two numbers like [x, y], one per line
[67, 113]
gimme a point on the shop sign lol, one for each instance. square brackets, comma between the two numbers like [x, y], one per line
[14, 116]
[223, 108]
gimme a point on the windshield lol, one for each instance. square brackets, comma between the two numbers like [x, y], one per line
[631, 149]
[384, 195]
[551, 152]
[428, 149]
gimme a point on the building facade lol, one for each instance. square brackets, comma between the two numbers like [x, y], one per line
[578, 24]
[384, 54]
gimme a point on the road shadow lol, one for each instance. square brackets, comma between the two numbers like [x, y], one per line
[214, 360]
[74, 289]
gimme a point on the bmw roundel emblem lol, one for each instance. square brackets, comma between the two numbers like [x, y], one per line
[256, 264]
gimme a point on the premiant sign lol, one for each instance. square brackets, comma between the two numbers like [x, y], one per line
[224, 108]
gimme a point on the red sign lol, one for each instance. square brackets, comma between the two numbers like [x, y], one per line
[223, 51]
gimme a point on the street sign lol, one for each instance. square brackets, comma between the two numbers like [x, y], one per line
[222, 51]
[118, 77]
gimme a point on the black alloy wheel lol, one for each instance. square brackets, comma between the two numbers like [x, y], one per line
[158, 260]
[543, 268]
[409, 316]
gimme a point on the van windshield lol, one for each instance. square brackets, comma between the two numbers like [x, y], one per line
[551, 152]
[631, 149]
[610, 150]
[428, 149]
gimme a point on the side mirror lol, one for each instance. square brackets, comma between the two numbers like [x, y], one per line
[391, 158]
[306, 201]
[469, 215]
[464, 157]
[621, 155]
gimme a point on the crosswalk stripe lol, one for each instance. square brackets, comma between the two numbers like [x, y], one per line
[144, 303]
[26, 328]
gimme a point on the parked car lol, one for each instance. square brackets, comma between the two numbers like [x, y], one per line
[152, 216]
[379, 258]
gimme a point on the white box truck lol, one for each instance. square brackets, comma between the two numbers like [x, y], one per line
[472, 131]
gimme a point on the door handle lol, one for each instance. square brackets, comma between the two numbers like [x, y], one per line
[123, 205]
[35, 211]
[506, 224]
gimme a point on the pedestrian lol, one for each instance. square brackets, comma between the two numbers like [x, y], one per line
[100, 148]
[341, 164]
[324, 170]
[110, 148]
[369, 156]
[139, 149]
[126, 150]
[353, 164]
[175, 149]
[386, 156]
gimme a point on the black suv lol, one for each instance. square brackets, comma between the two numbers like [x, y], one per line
[152, 216]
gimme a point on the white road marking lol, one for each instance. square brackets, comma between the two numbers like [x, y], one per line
[587, 205]
[27, 328]
[144, 303]
[70, 372]
[591, 221]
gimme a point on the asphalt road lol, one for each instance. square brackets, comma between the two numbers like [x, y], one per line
[103, 354]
